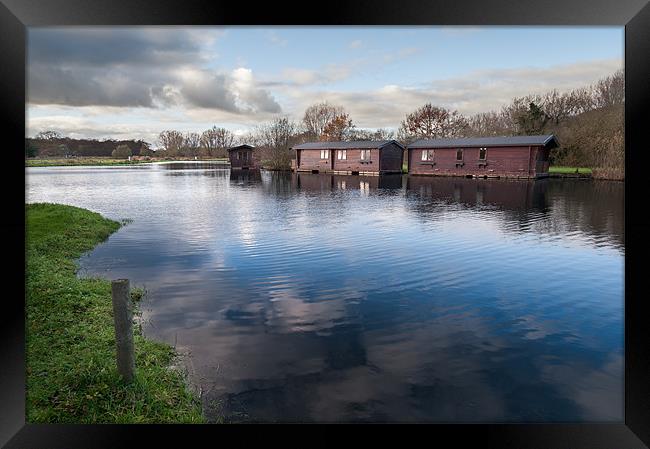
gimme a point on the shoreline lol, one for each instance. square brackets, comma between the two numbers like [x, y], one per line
[71, 372]
[99, 161]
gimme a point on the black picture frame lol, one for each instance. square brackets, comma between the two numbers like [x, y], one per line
[16, 15]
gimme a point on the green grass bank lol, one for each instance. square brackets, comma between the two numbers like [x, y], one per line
[570, 170]
[71, 369]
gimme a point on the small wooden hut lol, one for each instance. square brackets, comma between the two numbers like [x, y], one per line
[243, 157]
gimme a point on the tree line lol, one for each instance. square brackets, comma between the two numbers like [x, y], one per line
[52, 144]
[588, 122]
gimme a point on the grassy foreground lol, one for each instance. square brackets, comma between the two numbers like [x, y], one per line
[71, 369]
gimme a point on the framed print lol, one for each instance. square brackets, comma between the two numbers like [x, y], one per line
[402, 214]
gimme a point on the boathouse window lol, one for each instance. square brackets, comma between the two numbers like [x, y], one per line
[238, 155]
[459, 154]
[324, 154]
[427, 155]
[365, 155]
[342, 154]
[482, 153]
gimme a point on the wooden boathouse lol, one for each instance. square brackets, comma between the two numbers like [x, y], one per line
[483, 157]
[351, 158]
[243, 157]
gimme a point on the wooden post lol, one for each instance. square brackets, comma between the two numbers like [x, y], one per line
[122, 314]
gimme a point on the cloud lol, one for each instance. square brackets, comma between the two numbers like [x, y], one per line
[329, 73]
[274, 38]
[126, 67]
[356, 44]
[399, 55]
[116, 45]
[478, 91]
[247, 93]
[333, 72]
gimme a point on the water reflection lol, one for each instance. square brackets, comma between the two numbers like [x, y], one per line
[311, 182]
[348, 298]
[245, 177]
[192, 165]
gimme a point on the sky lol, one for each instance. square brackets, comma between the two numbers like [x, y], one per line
[134, 82]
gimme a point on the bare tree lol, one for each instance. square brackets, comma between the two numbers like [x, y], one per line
[216, 141]
[171, 141]
[581, 100]
[275, 140]
[366, 134]
[191, 144]
[318, 116]
[431, 121]
[485, 124]
[277, 134]
[610, 90]
[556, 105]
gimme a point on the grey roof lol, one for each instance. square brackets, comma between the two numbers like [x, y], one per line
[505, 141]
[345, 145]
[240, 146]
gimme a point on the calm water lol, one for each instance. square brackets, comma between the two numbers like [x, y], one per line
[347, 298]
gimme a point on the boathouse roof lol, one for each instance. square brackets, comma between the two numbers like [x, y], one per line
[338, 145]
[548, 140]
[239, 147]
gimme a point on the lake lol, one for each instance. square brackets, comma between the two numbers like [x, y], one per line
[305, 297]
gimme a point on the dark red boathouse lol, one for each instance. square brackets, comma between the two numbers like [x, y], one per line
[509, 157]
[360, 157]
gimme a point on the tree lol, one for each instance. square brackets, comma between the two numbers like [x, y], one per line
[171, 141]
[30, 149]
[63, 150]
[143, 148]
[366, 134]
[275, 140]
[610, 91]
[146, 151]
[485, 124]
[190, 144]
[339, 128]
[556, 105]
[215, 141]
[121, 152]
[277, 134]
[581, 100]
[533, 120]
[430, 122]
[318, 116]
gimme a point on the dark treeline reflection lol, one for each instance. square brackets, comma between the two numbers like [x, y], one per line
[548, 205]
[190, 165]
[307, 297]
